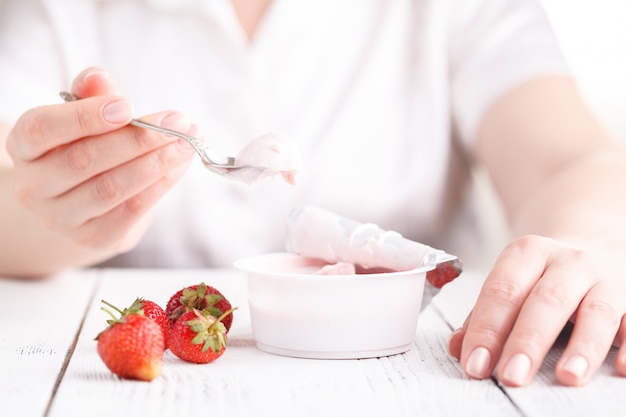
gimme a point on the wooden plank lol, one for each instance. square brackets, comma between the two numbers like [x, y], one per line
[39, 321]
[246, 381]
[604, 396]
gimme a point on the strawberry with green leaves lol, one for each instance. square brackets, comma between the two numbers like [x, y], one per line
[199, 337]
[155, 312]
[200, 297]
[133, 344]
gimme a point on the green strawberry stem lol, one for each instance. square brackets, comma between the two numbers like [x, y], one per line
[106, 310]
[135, 308]
[220, 318]
[112, 306]
[209, 331]
[114, 319]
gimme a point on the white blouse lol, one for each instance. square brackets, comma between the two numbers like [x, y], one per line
[383, 97]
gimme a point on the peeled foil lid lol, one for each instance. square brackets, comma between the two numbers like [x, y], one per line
[318, 233]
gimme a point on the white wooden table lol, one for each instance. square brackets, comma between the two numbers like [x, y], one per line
[49, 366]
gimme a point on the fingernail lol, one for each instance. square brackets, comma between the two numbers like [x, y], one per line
[516, 370]
[477, 365]
[97, 72]
[176, 121]
[576, 365]
[179, 123]
[120, 111]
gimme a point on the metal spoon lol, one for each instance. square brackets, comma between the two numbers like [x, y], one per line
[217, 163]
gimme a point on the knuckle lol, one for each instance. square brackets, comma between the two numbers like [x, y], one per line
[489, 333]
[50, 222]
[595, 346]
[55, 220]
[602, 308]
[523, 253]
[591, 347]
[30, 130]
[93, 237]
[578, 255]
[88, 236]
[505, 292]
[27, 189]
[106, 188]
[23, 192]
[573, 257]
[83, 118]
[135, 205]
[530, 339]
[525, 241]
[89, 242]
[142, 139]
[552, 294]
[79, 157]
[159, 161]
[525, 244]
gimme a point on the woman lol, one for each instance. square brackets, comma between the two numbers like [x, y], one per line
[392, 105]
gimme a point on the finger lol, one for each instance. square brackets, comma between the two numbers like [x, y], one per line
[94, 81]
[511, 279]
[106, 191]
[83, 159]
[620, 361]
[44, 128]
[455, 342]
[114, 228]
[543, 315]
[597, 322]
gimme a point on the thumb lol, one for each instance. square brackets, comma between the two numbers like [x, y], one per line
[94, 81]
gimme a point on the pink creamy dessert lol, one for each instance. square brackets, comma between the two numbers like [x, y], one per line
[316, 301]
[317, 233]
[268, 155]
[340, 268]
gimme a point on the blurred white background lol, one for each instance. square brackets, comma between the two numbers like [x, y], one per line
[592, 34]
[593, 37]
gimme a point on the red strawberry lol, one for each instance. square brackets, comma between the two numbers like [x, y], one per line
[155, 312]
[445, 272]
[132, 346]
[200, 297]
[199, 337]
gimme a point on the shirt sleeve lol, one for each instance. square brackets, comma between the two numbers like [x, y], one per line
[496, 45]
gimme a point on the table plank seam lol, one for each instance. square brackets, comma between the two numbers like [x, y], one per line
[493, 379]
[504, 391]
[72, 348]
[443, 317]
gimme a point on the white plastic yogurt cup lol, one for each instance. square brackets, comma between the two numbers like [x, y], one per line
[295, 312]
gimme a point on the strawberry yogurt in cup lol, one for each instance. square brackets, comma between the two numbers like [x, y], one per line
[296, 311]
[345, 290]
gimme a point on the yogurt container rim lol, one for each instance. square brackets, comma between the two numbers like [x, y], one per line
[248, 264]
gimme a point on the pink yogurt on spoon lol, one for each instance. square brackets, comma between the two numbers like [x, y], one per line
[268, 155]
